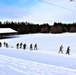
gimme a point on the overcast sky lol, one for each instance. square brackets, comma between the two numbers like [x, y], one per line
[36, 11]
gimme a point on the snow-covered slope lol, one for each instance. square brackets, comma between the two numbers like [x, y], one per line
[44, 61]
[14, 66]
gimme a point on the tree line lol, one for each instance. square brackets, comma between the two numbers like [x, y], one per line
[26, 27]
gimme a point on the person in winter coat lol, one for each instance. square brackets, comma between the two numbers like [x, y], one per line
[4, 44]
[35, 47]
[31, 47]
[17, 45]
[68, 50]
[21, 45]
[0, 44]
[60, 49]
[24, 46]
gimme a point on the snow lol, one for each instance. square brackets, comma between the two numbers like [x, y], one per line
[7, 30]
[13, 66]
[44, 61]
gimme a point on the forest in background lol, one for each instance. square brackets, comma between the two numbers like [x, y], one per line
[27, 28]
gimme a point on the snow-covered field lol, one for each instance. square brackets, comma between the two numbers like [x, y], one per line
[44, 61]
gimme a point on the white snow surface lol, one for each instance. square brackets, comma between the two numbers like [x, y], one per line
[44, 61]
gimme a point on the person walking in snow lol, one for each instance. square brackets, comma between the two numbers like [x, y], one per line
[0, 44]
[24, 46]
[68, 50]
[60, 49]
[17, 45]
[31, 47]
[4, 44]
[35, 47]
[21, 45]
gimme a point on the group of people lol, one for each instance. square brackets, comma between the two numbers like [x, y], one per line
[67, 51]
[5, 44]
[21, 45]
